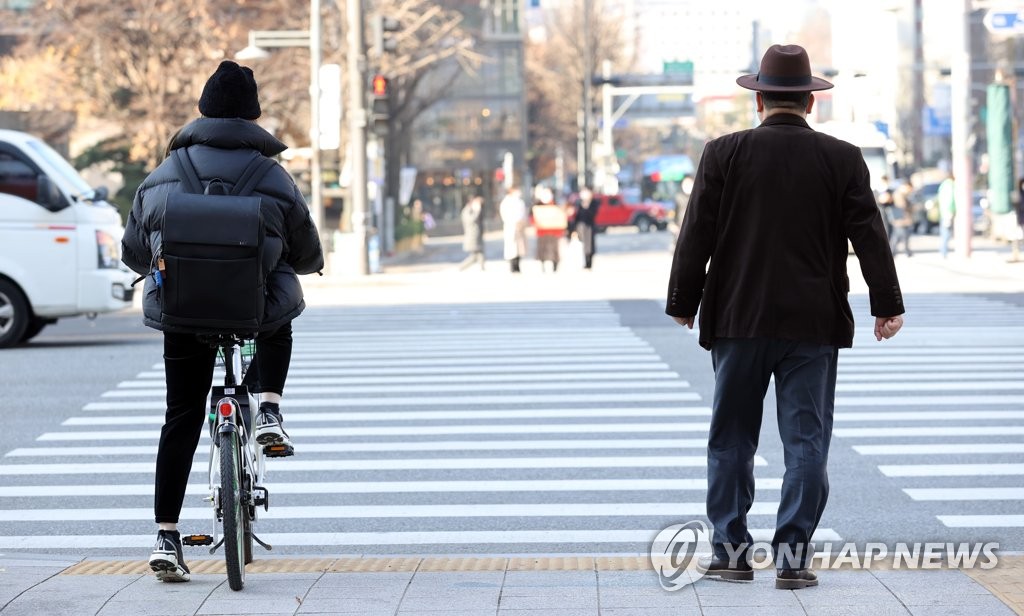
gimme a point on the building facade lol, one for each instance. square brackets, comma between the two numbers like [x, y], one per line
[474, 140]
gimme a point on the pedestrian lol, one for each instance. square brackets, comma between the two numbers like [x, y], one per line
[550, 221]
[901, 220]
[1018, 234]
[473, 232]
[772, 209]
[682, 198]
[885, 201]
[513, 219]
[585, 225]
[221, 145]
[947, 212]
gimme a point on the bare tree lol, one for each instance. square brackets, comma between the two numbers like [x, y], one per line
[432, 49]
[140, 65]
[555, 73]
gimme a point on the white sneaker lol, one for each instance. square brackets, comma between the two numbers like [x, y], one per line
[167, 560]
[271, 435]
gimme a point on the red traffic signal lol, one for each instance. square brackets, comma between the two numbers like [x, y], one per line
[379, 85]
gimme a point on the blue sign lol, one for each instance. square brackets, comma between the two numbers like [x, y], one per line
[937, 122]
[1004, 22]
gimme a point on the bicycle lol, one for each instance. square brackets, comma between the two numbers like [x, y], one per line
[237, 464]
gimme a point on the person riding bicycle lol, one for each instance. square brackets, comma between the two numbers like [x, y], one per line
[221, 145]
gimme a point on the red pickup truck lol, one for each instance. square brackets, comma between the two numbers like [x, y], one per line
[613, 211]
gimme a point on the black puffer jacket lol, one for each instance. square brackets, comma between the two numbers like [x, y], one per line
[221, 149]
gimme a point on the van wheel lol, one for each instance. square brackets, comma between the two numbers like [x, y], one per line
[644, 224]
[35, 326]
[14, 314]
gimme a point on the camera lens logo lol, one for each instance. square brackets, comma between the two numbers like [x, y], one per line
[672, 551]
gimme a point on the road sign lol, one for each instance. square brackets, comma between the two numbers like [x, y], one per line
[1004, 21]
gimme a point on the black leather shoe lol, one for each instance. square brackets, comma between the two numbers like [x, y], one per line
[720, 568]
[794, 579]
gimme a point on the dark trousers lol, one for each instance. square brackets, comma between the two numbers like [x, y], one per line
[188, 364]
[900, 235]
[805, 385]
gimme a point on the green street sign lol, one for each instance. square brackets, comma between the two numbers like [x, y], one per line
[677, 67]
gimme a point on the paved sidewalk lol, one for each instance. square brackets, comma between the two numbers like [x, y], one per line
[543, 586]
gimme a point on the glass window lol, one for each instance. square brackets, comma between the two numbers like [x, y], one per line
[17, 178]
[504, 18]
[62, 167]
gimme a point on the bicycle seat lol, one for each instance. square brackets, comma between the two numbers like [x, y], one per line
[225, 340]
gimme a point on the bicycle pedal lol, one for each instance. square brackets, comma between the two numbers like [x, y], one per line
[196, 540]
[261, 497]
[278, 451]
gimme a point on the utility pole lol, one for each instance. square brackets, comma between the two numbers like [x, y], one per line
[316, 183]
[588, 73]
[917, 85]
[357, 132]
[963, 164]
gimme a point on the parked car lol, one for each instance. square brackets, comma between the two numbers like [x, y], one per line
[926, 210]
[924, 201]
[614, 211]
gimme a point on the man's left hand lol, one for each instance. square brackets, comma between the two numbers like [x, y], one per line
[684, 321]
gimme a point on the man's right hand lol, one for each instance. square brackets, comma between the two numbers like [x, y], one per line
[886, 327]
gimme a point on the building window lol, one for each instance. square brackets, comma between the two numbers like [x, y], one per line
[505, 17]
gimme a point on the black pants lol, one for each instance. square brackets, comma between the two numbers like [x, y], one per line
[900, 235]
[188, 364]
[805, 386]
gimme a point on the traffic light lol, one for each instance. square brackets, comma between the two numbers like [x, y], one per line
[380, 104]
[384, 40]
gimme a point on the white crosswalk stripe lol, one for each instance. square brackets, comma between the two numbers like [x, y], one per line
[428, 428]
[946, 418]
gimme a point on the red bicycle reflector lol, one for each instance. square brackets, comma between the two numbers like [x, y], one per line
[226, 409]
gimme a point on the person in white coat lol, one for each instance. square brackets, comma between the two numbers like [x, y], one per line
[513, 219]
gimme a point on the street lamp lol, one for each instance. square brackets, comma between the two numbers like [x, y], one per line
[259, 42]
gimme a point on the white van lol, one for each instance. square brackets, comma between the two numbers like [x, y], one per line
[59, 242]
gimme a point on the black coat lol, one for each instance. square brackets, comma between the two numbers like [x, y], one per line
[772, 209]
[222, 148]
[585, 225]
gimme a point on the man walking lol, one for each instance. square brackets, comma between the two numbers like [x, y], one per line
[772, 209]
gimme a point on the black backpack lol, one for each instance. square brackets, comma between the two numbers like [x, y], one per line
[209, 270]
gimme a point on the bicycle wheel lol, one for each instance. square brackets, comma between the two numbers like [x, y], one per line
[232, 508]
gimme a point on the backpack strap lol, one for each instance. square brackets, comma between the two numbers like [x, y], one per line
[187, 171]
[252, 176]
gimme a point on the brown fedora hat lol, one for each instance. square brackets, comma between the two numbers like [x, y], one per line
[784, 68]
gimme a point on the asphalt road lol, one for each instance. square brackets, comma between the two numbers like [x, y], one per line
[441, 413]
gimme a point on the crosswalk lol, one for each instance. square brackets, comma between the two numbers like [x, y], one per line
[939, 408]
[481, 428]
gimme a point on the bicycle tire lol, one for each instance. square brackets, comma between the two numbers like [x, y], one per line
[247, 519]
[232, 508]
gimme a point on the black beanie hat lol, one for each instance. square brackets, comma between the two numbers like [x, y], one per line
[230, 93]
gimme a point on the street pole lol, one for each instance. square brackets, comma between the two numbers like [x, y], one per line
[917, 108]
[963, 171]
[588, 71]
[357, 132]
[607, 147]
[316, 200]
